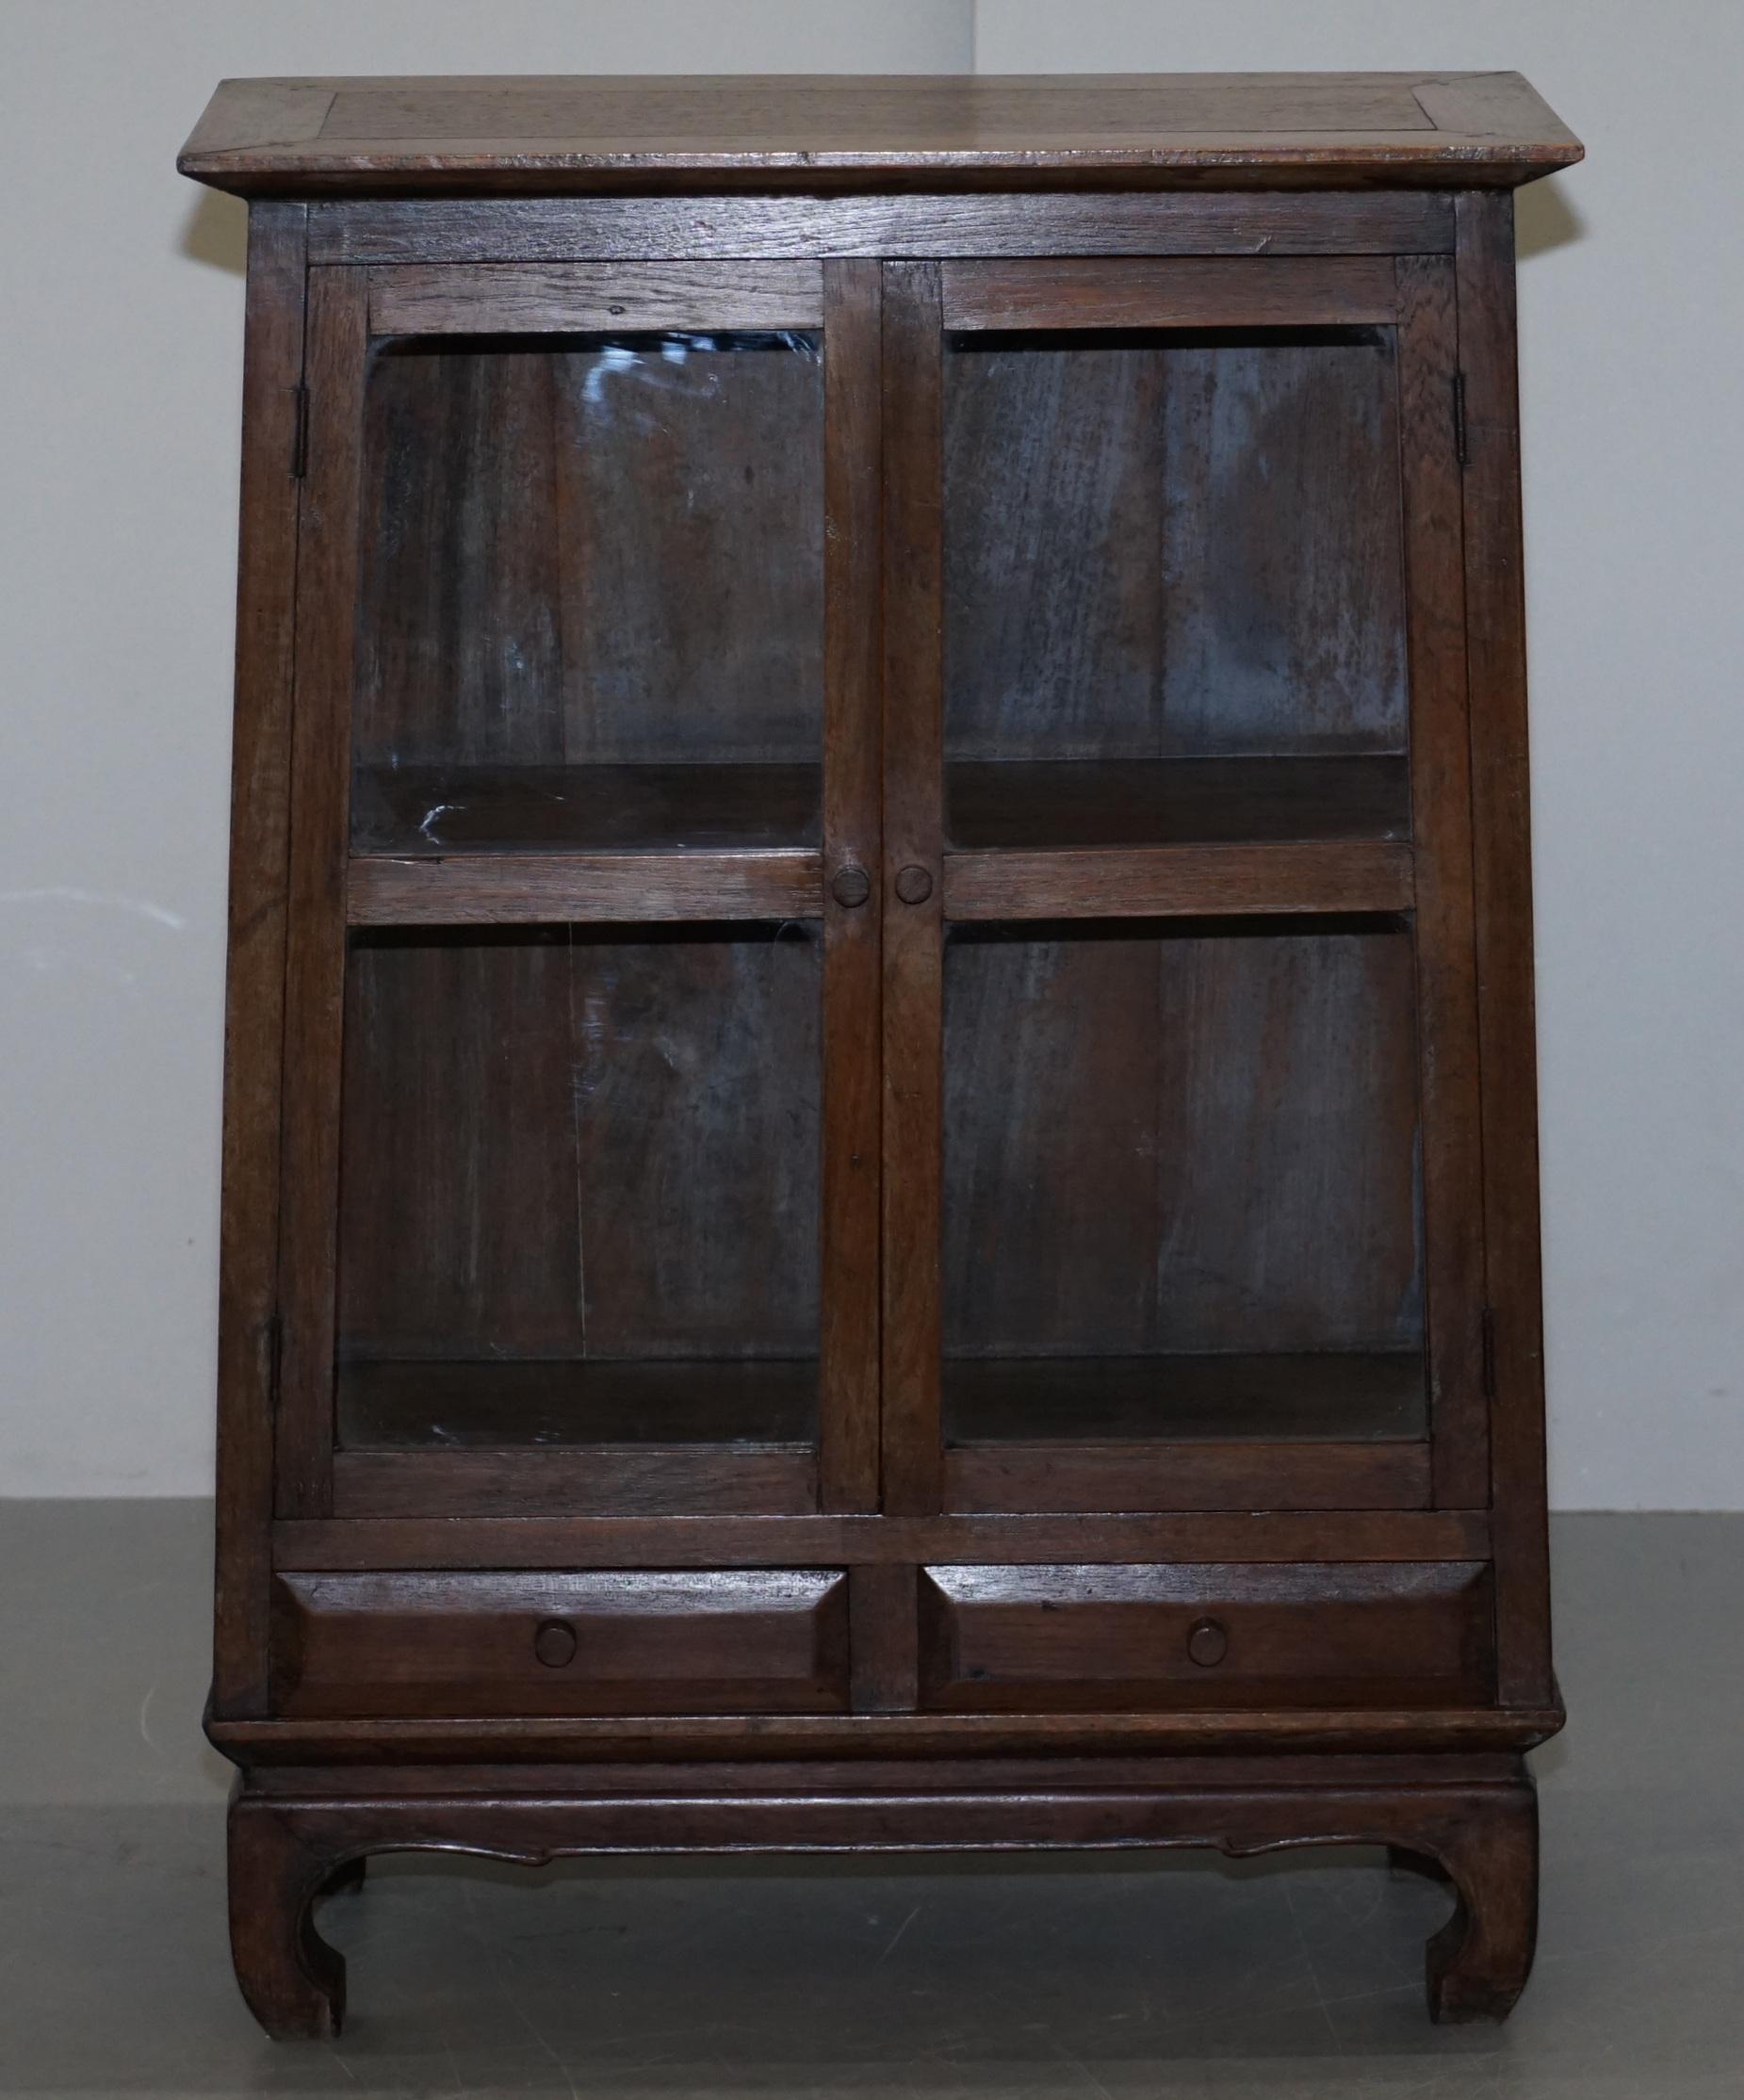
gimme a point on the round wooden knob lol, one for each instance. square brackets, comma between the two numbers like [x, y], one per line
[852, 886]
[1208, 1644]
[555, 1643]
[914, 885]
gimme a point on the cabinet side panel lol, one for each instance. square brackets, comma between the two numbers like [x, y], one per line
[314, 961]
[1442, 828]
[255, 1006]
[1495, 615]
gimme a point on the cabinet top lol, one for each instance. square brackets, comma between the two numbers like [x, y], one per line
[550, 134]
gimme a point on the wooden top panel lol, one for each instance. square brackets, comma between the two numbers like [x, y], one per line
[663, 133]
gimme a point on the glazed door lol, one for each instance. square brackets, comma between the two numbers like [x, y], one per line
[581, 1161]
[1182, 1173]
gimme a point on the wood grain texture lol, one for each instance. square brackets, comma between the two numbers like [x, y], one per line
[550, 134]
[1495, 643]
[1322, 1633]
[884, 1630]
[254, 997]
[1172, 545]
[542, 298]
[851, 1183]
[1144, 882]
[700, 1642]
[588, 1153]
[624, 1480]
[327, 602]
[366, 1543]
[612, 229]
[1441, 1734]
[607, 888]
[1167, 1477]
[913, 1051]
[1441, 825]
[1281, 578]
[1187, 292]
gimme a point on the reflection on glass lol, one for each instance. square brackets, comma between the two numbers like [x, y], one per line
[593, 593]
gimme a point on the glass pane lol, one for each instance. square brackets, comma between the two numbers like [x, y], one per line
[1174, 597]
[593, 593]
[1181, 1181]
[580, 1186]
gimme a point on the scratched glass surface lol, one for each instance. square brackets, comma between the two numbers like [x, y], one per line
[580, 1187]
[592, 587]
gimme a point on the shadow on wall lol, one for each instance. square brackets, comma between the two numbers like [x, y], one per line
[1544, 220]
[216, 233]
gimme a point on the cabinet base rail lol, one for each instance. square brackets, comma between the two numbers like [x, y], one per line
[1480, 1832]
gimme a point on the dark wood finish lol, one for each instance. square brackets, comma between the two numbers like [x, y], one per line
[1155, 1475]
[914, 933]
[249, 1333]
[541, 299]
[546, 135]
[315, 976]
[628, 1479]
[698, 1642]
[1441, 801]
[681, 1741]
[612, 229]
[1324, 1633]
[1146, 882]
[1280, 292]
[884, 1632]
[875, 1541]
[534, 888]
[1483, 1833]
[1024, 806]
[849, 1460]
[1340, 1396]
[497, 1403]
[434, 812]
[1010, 1318]
[1502, 868]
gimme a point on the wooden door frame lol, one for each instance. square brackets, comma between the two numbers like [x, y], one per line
[1412, 295]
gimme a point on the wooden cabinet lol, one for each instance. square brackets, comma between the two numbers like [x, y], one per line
[879, 1150]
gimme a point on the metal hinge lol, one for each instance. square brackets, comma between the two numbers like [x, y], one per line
[1487, 1328]
[1461, 453]
[299, 430]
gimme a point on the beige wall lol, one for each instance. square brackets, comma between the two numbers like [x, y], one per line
[120, 344]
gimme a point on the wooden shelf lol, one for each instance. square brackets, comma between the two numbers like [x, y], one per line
[615, 844]
[438, 811]
[1028, 807]
[1178, 837]
[1334, 1397]
[497, 1405]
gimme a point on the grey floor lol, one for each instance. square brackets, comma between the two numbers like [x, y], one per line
[1180, 1976]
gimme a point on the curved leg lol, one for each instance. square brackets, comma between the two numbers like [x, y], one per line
[293, 1981]
[1479, 1960]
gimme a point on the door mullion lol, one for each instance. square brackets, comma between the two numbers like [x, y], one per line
[913, 890]
[852, 895]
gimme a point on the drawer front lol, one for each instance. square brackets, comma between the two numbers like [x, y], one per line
[745, 1640]
[1118, 1638]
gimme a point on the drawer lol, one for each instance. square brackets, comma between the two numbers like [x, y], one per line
[1116, 1638]
[649, 1642]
